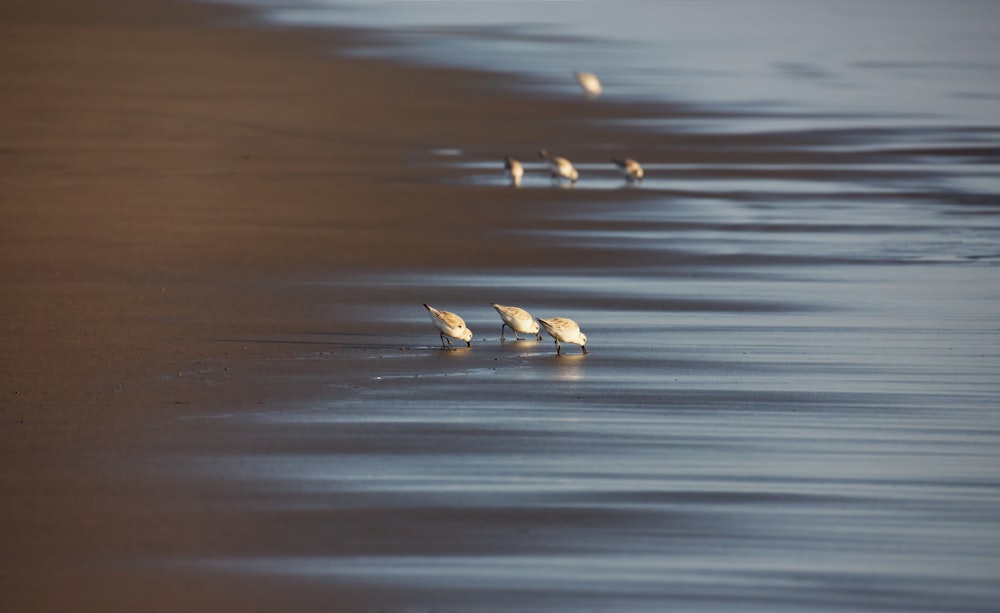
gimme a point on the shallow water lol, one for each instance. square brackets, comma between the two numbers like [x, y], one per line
[873, 63]
[791, 400]
[802, 432]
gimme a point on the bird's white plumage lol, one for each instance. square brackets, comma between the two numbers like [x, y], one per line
[559, 167]
[589, 82]
[513, 170]
[564, 330]
[450, 325]
[629, 168]
[517, 319]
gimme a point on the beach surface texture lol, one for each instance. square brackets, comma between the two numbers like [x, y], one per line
[219, 390]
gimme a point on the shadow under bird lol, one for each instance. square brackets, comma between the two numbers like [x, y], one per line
[564, 330]
[559, 167]
[450, 325]
[629, 168]
[518, 320]
[513, 170]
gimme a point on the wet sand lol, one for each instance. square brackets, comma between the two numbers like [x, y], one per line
[219, 390]
[172, 177]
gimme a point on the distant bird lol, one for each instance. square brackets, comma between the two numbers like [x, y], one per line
[518, 320]
[589, 82]
[513, 170]
[629, 168]
[564, 330]
[559, 167]
[450, 325]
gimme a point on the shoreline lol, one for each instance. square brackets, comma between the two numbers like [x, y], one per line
[213, 400]
[169, 172]
[192, 199]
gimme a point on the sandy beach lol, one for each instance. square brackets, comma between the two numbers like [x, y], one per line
[165, 168]
[213, 230]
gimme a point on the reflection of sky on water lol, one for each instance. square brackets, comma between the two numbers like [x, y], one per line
[791, 387]
[676, 177]
[927, 58]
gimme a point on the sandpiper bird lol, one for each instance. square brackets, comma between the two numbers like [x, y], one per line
[518, 320]
[513, 170]
[561, 168]
[564, 330]
[450, 325]
[589, 82]
[629, 168]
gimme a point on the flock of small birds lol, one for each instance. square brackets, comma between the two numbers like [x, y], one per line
[562, 329]
[560, 168]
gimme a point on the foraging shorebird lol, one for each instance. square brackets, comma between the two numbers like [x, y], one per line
[629, 168]
[513, 170]
[589, 82]
[450, 325]
[518, 320]
[560, 167]
[564, 330]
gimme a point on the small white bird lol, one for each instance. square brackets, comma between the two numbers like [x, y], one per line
[450, 325]
[629, 168]
[560, 167]
[518, 320]
[513, 170]
[564, 330]
[589, 82]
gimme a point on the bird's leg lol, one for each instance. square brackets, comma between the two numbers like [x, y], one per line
[539, 336]
[501, 332]
[443, 339]
[558, 348]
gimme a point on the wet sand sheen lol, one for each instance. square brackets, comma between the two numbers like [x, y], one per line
[224, 390]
